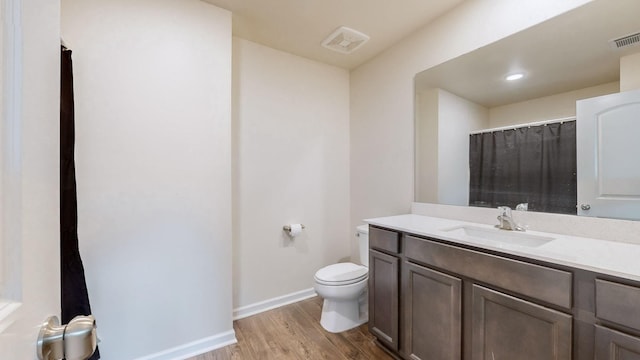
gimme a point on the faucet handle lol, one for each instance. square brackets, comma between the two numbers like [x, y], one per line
[504, 218]
[505, 211]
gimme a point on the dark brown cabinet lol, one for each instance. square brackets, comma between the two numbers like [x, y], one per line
[614, 345]
[434, 299]
[383, 297]
[506, 327]
[452, 305]
[432, 314]
[617, 305]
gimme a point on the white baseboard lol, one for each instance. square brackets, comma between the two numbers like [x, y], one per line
[256, 308]
[195, 348]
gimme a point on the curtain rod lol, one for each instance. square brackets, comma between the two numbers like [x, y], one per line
[518, 126]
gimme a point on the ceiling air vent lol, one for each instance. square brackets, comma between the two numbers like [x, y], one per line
[628, 40]
[345, 40]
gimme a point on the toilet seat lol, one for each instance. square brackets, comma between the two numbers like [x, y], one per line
[341, 274]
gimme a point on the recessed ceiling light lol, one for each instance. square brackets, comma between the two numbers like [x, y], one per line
[513, 77]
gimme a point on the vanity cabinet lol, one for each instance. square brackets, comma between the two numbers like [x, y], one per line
[506, 327]
[615, 345]
[434, 300]
[542, 283]
[383, 298]
[384, 286]
[432, 313]
[617, 307]
[504, 297]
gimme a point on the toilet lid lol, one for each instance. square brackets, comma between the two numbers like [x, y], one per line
[341, 273]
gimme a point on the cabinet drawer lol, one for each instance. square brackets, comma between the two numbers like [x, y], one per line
[618, 303]
[385, 240]
[546, 284]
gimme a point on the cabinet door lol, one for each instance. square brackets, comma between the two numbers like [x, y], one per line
[505, 328]
[383, 297]
[432, 314]
[613, 345]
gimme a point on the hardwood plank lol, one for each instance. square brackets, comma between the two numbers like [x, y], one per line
[310, 343]
[362, 338]
[313, 307]
[294, 332]
[240, 350]
[261, 337]
[312, 321]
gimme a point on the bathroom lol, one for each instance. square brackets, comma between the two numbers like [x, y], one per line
[185, 178]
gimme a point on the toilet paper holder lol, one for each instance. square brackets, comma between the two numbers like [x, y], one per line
[288, 227]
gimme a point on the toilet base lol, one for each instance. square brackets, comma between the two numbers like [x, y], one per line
[339, 315]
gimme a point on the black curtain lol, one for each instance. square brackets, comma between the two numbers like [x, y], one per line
[75, 299]
[535, 165]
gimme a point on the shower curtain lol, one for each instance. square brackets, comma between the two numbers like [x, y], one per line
[74, 295]
[534, 165]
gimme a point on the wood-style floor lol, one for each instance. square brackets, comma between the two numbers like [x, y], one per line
[294, 332]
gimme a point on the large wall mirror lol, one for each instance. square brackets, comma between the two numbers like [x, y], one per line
[563, 60]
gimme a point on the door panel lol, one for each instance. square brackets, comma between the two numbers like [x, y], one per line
[433, 314]
[616, 129]
[608, 157]
[614, 345]
[29, 152]
[383, 297]
[505, 327]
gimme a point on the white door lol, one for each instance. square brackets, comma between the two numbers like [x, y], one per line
[29, 194]
[608, 155]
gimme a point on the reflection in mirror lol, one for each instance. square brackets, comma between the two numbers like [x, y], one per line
[532, 167]
[563, 60]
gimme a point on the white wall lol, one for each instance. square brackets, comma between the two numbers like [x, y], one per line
[443, 123]
[457, 117]
[546, 108]
[291, 165]
[382, 99]
[426, 140]
[153, 130]
[630, 72]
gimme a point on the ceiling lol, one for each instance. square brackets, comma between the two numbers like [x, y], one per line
[299, 26]
[565, 53]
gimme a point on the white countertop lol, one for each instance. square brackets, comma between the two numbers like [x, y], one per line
[607, 257]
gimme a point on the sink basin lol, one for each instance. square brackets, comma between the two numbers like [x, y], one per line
[467, 232]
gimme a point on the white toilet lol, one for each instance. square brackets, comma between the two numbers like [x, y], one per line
[343, 287]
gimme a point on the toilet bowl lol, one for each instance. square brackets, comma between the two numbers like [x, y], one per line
[343, 287]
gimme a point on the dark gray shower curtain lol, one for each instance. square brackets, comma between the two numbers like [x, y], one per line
[535, 165]
[74, 295]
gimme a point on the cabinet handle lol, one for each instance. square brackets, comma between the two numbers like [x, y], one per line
[585, 207]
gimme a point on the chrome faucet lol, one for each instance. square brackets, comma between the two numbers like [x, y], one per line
[506, 220]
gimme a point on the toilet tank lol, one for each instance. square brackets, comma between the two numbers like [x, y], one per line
[362, 232]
